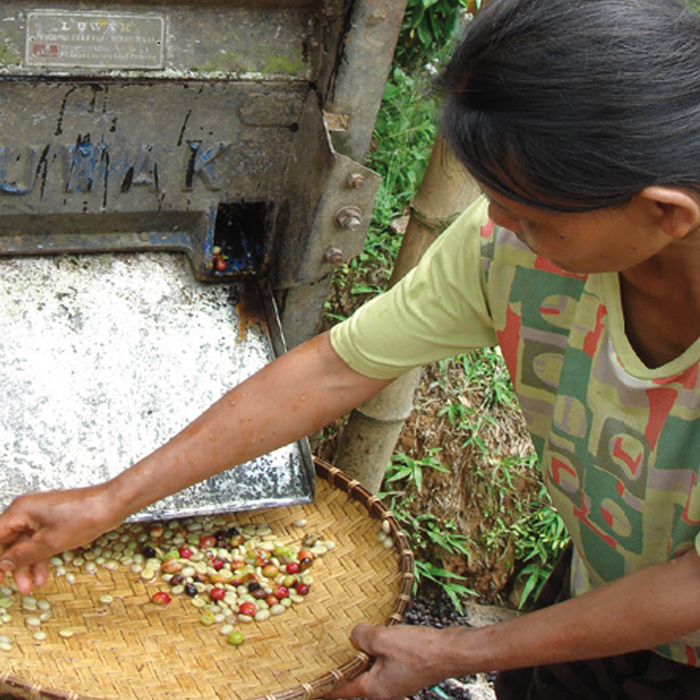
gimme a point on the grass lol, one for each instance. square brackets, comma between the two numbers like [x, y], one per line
[479, 481]
[403, 138]
[428, 534]
[463, 481]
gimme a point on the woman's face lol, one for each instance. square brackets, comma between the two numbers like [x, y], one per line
[611, 239]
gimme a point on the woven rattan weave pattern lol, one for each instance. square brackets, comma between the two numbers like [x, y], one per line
[134, 649]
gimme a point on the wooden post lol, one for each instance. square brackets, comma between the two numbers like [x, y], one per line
[370, 436]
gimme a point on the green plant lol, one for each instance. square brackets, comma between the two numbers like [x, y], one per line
[457, 414]
[427, 24]
[487, 369]
[409, 470]
[540, 539]
[431, 538]
[364, 288]
[402, 142]
[519, 533]
[444, 579]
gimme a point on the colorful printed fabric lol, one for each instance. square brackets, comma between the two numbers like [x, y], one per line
[618, 443]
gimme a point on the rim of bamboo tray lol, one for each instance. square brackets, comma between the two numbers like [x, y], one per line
[383, 576]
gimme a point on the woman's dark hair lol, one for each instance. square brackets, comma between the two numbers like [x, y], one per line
[574, 105]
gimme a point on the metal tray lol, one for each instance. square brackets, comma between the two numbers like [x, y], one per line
[107, 356]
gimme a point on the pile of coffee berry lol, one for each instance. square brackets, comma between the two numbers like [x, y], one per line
[232, 574]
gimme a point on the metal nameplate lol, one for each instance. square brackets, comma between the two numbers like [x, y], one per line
[95, 40]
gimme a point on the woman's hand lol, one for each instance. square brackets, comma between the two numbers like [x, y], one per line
[406, 659]
[612, 619]
[38, 525]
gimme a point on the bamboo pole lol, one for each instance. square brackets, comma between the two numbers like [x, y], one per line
[373, 429]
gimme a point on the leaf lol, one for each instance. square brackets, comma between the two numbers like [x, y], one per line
[417, 477]
[362, 288]
[399, 474]
[535, 580]
[456, 592]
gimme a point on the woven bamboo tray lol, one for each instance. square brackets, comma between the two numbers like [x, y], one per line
[133, 649]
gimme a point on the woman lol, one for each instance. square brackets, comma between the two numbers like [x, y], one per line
[581, 121]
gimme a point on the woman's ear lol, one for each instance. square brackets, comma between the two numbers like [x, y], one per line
[677, 211]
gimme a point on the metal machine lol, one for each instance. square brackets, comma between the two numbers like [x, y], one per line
[178, 181]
